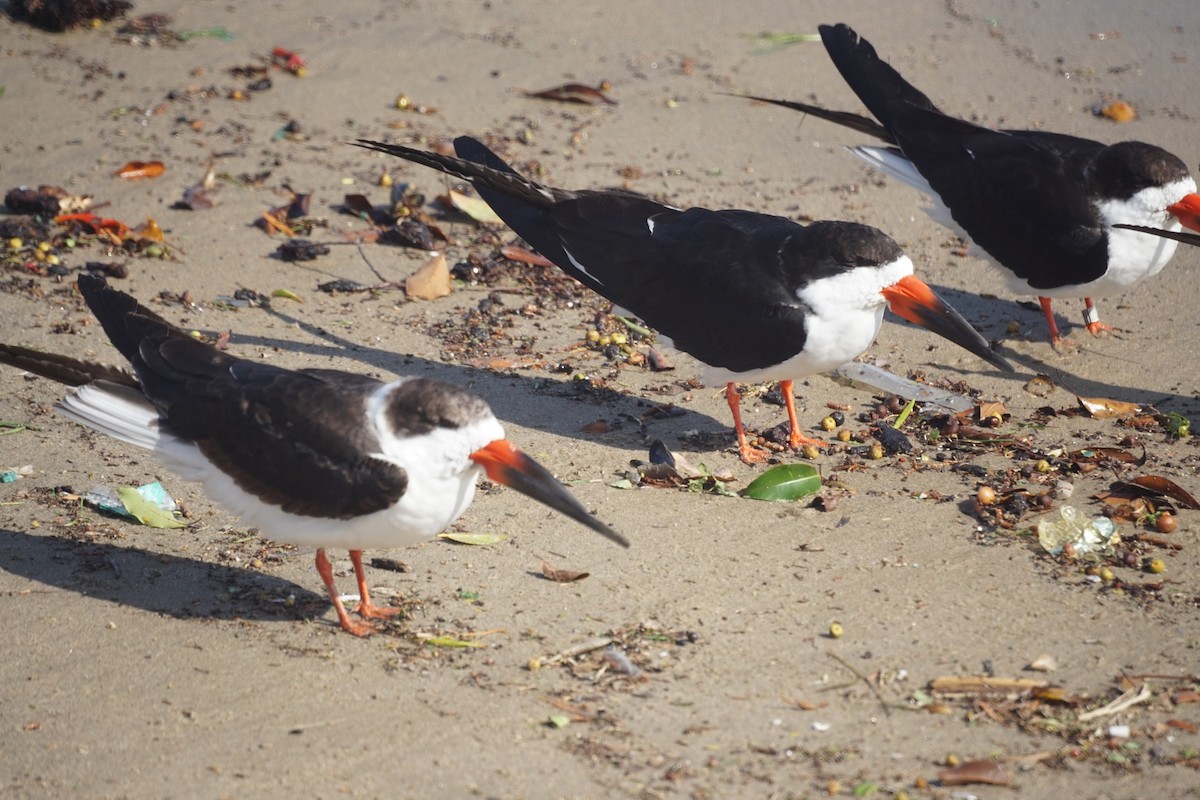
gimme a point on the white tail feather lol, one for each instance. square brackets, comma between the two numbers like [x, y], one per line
[124, 413]
[892, 163]
[121, 412]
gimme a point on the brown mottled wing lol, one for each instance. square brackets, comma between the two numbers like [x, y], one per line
[298, 440]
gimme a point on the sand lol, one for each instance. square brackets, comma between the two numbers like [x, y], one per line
[206, 662]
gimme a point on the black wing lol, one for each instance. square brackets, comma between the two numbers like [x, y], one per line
[880, 87]
[1020, 196]
[721, 284]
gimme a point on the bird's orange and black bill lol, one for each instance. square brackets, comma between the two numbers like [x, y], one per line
[912, 299]
[1187, 211]
[505, 464]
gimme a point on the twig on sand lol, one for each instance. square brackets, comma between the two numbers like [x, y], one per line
[1129, 698]
[887, 711]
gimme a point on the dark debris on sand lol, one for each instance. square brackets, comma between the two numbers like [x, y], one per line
[63, 15]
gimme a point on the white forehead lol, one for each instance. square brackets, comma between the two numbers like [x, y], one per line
[855, 289]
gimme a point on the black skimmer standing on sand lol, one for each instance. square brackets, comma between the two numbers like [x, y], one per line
[314, 457]
[754, 297]
[1045, 207]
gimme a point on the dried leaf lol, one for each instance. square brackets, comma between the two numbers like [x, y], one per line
[1102, 408]
[272, 221]
[478, 539]
[1039, 386]
[150, 231]
[475, 208]
[514, 253]
[413, 232]
[48, 201]
[200, 196]
[681, 467]
[1167, 488]
[450, 641]
[994, 409]
[360, 206]
[196, 198]
[975, 772]
[599, 426]
[785, 482]
[1093, 454]
[429, 282]
[658, 361]
[298, 208]
[1051, 694]
[576, 93]
[562, 575]
[145, 511]
[141, 169]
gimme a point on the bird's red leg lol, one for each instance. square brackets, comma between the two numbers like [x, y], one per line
[1056, 339]
[749, 455]
[1091, 319]
[325, 569]
[796, 439]
[366, 608]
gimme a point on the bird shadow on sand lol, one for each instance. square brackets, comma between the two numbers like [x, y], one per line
[172, 585]
[563, 407]
[1085, 372]
[530, 399]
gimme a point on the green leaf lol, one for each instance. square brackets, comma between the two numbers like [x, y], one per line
[1179, 425]
[474, 538]
[144, 511]
[786, 482]
[903, 418]
[287, 294]
[558, 721]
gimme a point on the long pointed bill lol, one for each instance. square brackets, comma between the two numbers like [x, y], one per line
[1187, 211]
[912, 299]
[1179, 236]
[505, 464]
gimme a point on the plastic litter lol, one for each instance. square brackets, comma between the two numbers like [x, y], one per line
[1072, 533]
[890, 383]
[105, 498]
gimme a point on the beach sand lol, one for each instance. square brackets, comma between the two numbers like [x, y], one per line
[207, 662]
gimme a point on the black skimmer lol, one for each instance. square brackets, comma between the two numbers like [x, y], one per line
[1045, 207]
[315, 457]
[754, 297]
